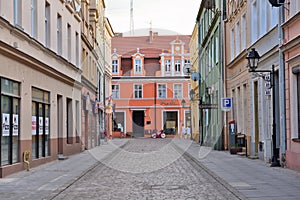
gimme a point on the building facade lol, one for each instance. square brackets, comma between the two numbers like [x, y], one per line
[40, 82]
[149, 88]
[209, 88]
[290, 47]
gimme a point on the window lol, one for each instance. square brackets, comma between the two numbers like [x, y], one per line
[254, 20]
[298, 102]
[217, 45]
[294, 7]
[138, 66]
[168, 66]
[59, 34]
[178, 91]
[10, 120]
[47, 25]
[177, 66]
[243, 34]
[115, 67]
[296, 88]
[238, 38]
[138, 91]
[40, 123]
[33, 18]
[187, 62]
[232, 54]
[18, 13]
[69, 41]
[77, 49]
[69, 124]
[162, 91]
[115, 91]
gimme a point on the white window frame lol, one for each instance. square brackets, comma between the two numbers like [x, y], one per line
[138, 91]
[33, 5]
[168, 66]
[177, 88]
[115, 91]
[137, 66]
[237, 38]
[115, 66]
[69, 32]
[161, 91]
[177, 65]
[47, 25]
[59, 34]
[18, 13]
[243, 32]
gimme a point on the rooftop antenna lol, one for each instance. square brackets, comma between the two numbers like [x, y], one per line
[131, 18]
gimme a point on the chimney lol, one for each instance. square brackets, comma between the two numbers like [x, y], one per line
[150, 36]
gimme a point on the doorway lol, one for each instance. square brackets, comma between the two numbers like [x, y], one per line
[138, 123]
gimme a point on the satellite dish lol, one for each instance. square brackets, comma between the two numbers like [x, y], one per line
[276, 3]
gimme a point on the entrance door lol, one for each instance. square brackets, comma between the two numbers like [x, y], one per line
[138, 123]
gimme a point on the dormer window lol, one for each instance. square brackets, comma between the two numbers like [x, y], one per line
[115, 67]
[138, 66]
[168, 66]
[177, 66]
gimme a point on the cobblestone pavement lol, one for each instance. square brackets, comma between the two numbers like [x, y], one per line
[147, 169]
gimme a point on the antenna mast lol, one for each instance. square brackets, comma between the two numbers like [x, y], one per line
[131, 18]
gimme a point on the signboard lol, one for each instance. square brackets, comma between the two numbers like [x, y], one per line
[15, 124]
[5, 124]
[33, 125]
[208, 106]
[226, 104]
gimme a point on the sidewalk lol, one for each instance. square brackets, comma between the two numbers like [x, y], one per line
[48, 179]
[254, 179]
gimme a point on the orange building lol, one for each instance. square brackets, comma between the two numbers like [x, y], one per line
[149, 88]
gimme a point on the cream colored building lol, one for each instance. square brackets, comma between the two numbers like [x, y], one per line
[40, 72]
[194, 103]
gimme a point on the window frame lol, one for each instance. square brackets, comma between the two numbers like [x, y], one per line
[137, 91]
[161, 88]
[177, 92]
[115, 91]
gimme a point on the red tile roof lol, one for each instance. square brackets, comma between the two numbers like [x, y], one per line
[127, 46]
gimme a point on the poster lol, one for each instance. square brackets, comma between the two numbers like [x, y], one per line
[41, 125]
[47, 125]
[33, 125]
[15, 125]
[5, 124]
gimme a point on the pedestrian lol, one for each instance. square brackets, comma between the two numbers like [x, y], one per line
[183, 132]
[105, 135]
[188, 132]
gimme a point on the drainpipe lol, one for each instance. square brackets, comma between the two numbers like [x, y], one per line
[282, 103]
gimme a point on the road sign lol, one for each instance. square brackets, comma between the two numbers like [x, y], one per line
[226, 104]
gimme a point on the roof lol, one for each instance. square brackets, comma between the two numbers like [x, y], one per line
[127, 46]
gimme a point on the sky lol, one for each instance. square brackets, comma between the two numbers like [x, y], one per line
[168, 16]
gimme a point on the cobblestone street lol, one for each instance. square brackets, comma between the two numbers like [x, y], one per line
[146, 169]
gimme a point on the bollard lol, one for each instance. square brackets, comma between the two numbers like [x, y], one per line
[26, 157]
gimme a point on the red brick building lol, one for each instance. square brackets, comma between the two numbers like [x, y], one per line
[149, 88]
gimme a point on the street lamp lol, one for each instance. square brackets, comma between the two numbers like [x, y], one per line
[253, 58]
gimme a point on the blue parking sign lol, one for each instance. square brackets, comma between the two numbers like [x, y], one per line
[226, 104]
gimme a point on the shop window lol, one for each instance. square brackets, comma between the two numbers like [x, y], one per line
[10, 118]
[40, 123]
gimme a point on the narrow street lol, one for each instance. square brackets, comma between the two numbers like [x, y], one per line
[147, 169]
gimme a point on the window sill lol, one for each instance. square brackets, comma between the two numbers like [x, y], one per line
[296, 140]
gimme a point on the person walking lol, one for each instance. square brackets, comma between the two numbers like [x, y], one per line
[183, 131]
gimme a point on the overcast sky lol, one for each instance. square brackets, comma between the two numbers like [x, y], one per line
[178, 16]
